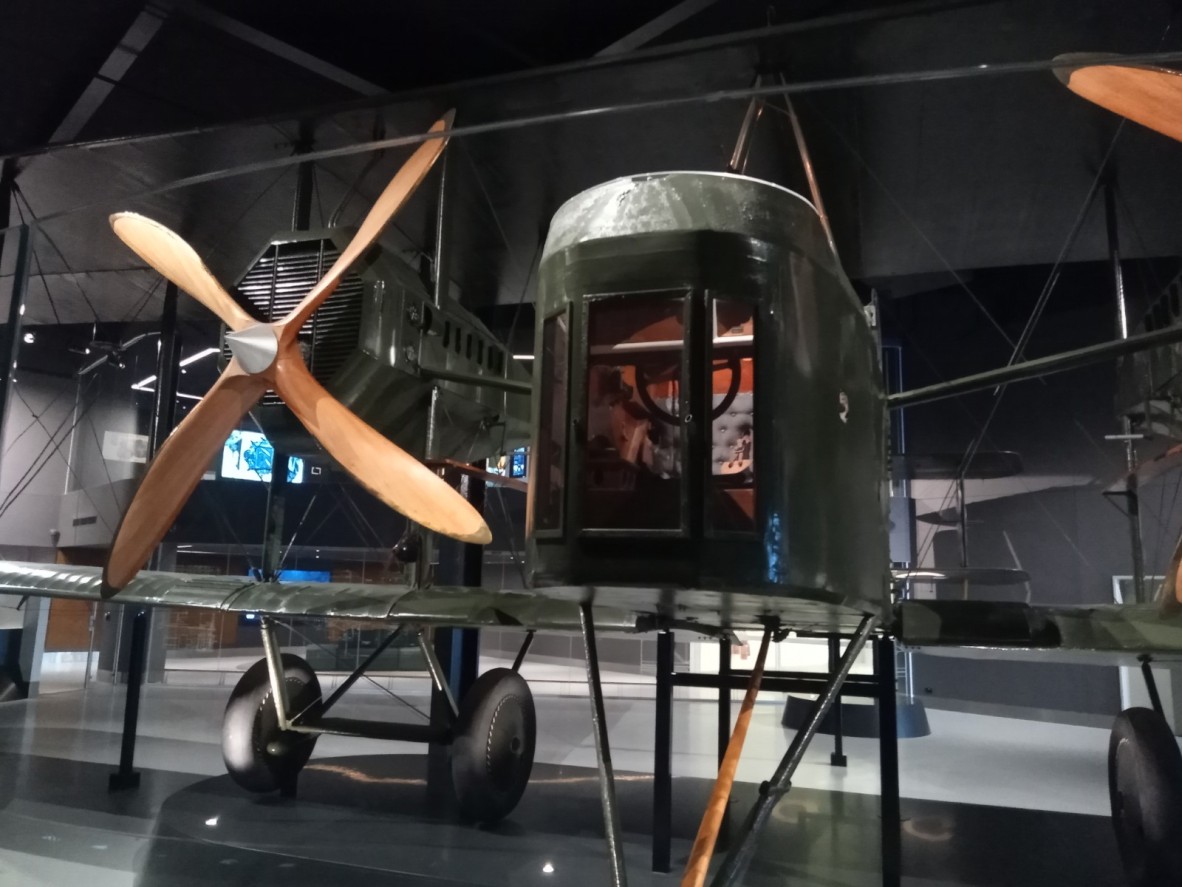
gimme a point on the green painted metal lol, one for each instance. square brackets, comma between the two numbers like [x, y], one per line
[434, 605]
[1110, 634]
[386, 378]
[820, 549]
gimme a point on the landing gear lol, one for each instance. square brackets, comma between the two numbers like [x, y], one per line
[258, 754]
[493, 745]
[266, 742]
[1145, 786]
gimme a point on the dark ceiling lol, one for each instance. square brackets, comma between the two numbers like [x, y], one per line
[114, 105]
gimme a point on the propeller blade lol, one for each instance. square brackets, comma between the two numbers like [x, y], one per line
[175, 471]
[1147, 95]
[381, 466]
[168, 253]
[404, 183]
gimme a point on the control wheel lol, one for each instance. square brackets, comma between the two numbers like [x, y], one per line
[1145, 787]
[493, 749]
[259, 756]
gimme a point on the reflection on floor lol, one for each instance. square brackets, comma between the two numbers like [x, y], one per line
[365, 810]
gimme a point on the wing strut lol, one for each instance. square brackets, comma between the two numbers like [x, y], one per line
[735, 865]
[603, 752]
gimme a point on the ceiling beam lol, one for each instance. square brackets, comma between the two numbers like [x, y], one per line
[650, 31]
[224, 23]
[127, 50]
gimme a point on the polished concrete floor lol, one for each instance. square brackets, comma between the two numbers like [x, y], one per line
[987, 801]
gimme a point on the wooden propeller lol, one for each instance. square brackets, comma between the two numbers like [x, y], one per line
[267, 356]
[1147, 95]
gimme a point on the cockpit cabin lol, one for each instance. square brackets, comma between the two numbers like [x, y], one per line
[708, 409]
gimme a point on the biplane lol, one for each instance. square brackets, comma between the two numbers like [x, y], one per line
[706, 383]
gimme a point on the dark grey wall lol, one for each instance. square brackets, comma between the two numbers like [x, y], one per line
[33, 460]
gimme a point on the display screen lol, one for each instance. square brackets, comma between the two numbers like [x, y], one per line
[515, 464]
[247, 455]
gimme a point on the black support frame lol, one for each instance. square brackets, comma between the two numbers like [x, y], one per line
[879, 686]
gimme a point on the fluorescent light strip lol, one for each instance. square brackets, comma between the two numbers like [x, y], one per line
[192, 358]
[523, 357]
[178, 394]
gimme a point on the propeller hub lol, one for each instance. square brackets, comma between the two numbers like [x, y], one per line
[254, 347]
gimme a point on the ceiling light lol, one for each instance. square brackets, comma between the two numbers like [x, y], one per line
[29, 338]
[193, 358]
[212, 821]
[142, 384]
[548, 868]
[523, 357]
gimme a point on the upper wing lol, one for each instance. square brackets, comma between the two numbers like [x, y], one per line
[434, 605]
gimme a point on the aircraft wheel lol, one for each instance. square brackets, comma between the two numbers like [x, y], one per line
[493, 748]
[259, 756]
[1145, 787]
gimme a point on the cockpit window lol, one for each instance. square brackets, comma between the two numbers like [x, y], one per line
[549, 463]
[633, 432]
[731, 492]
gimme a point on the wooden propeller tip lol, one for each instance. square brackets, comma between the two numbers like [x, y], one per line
[1070, 62]
[482, 536]
[107, 591]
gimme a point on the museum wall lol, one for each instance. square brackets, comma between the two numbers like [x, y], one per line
[33, 467]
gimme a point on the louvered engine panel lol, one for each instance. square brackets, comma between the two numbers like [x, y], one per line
[281, 278]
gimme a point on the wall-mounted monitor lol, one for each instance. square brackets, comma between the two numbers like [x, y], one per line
[247, 455]
[515, 464]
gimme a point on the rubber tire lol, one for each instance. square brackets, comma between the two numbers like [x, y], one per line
[250, 726]
[492, 752]
[1145, 788]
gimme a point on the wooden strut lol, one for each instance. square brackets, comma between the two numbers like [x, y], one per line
[703, 849]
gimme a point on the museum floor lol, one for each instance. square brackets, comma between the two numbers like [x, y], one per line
[987, 801]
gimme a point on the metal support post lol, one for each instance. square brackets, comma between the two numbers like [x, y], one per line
[1151, 685]
[888, 763]
[458, 649]
[724, 726]
[438, 677]
[523, 650]
[837, 757]
[735, 865]
[724, 697]
[163, 418]
[301, 209]
[738, 161]
[603, 754]
[127, 776]
[274, 516]
[663, 756]
[1132, 496]
[276, 673]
